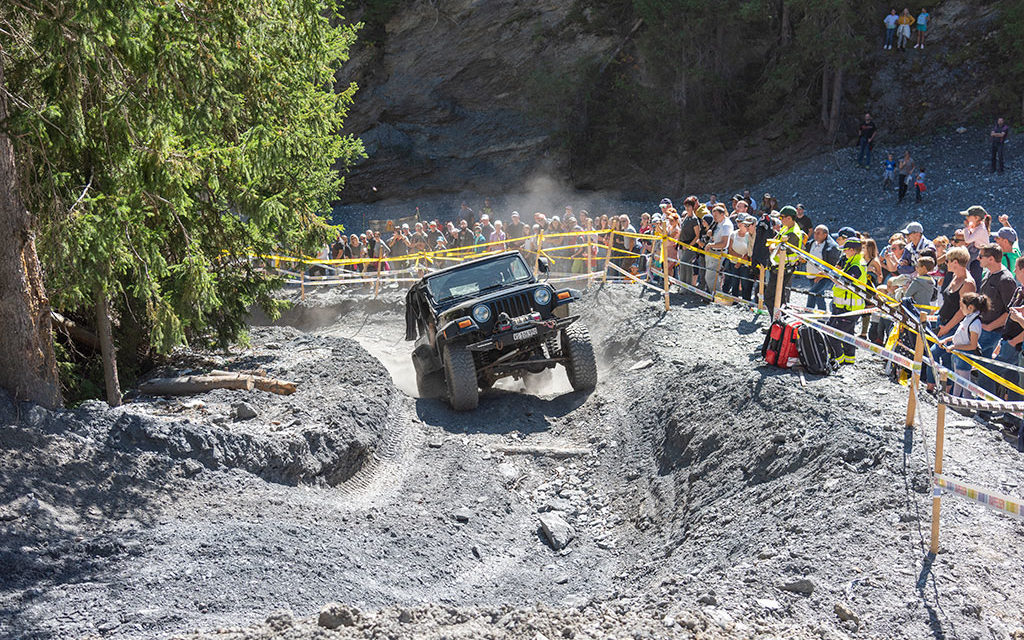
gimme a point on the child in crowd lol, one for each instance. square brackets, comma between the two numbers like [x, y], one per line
[919, 185]
[889, 177]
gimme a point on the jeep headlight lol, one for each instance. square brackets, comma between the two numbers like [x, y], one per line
[481, 313]
[542, 296]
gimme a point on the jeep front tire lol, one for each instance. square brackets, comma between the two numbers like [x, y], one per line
[580, 366]
[460, 375]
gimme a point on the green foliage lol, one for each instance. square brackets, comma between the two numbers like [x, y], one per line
[161, 144]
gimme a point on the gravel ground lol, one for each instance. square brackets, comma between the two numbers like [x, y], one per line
[718, 498]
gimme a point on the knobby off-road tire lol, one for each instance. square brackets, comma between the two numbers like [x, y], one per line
[580, 365]
[460, 375]
[430, 385]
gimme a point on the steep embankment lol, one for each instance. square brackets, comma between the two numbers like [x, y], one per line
[457, 95]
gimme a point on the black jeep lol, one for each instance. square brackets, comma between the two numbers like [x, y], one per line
[489, 318]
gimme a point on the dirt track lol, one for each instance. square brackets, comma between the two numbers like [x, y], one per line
[717, 497]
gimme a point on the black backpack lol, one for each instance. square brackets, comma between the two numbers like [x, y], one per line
[817, 353]
[760, 251]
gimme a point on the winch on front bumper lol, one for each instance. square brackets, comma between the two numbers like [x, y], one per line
[521, 330]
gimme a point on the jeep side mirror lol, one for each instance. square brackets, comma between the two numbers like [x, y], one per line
[543, 264]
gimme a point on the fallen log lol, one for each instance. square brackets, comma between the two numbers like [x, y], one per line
[76, 331]
[187, 385]
[263, 382]
[550, 452]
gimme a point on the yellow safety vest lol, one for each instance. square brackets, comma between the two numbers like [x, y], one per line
[792, 257]
[847, 299]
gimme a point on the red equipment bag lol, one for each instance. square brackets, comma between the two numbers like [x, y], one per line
[789, 354]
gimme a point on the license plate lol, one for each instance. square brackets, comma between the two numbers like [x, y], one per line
[523, 335]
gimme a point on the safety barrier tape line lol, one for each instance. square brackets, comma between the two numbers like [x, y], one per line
[981, 405]
[854, 341]
[633, 278]
[996, 501]
[994, 362]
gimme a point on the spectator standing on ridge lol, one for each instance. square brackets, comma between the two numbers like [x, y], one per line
[866, 140]
[890, 28]
[824, 248]
[903, 29]
[804, 220]
[922, 28]
[1000, 132]
[919, 186]
[465, 213]
[739, 282]
[846, 299]
[889, 175]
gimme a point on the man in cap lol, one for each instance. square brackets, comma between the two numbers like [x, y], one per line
[516, 229]
[916, 242]
[844, 233]
[803, 219]
[1006, 238]
[824, 248]
[665, 205]
[789, 233]
[846, 298]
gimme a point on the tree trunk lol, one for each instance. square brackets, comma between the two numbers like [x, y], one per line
[837, 95]
[824, 97]
[785, 29]
[107, 351]
[28, 367]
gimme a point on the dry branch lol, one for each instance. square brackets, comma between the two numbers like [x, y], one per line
[550, 452]
[263, 382]
[195, 384]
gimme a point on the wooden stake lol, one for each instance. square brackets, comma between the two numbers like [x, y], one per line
[608, 255]
[915, 379]
[760, 288]
[536, 259]
[778, 283]
[664, 266]
[590, 257]
[302, 285]
[376, 283]
[940, 436]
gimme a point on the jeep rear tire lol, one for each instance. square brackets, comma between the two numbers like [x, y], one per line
[460, 375]
[580, 366]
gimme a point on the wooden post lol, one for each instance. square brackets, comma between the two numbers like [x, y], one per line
[760, 287]
[915, 379]
[940, 433]
[376, 283]
[302, 285]
[608, 255]
[778, 283]
[536, 259]
[590, 258]
[664, 266]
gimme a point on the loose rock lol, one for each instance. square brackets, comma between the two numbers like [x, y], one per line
[558, 532]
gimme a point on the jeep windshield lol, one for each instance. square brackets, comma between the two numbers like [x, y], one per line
[472, 280]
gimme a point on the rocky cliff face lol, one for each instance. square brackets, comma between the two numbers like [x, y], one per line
[483, 96]
[452, 97]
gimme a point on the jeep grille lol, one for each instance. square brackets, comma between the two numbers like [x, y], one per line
[514, 305]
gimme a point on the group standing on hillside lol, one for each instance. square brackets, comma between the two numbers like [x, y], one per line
[898, 27]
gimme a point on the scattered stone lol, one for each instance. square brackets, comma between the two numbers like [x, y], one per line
[769, 604]
[477, 552]
[803, 586]
[508, 472]
[463, 514]
[668, 621]
[846, 614]
[334, 615]
[281, 620]
[708, 599]
[108, 626]
[243, 411]
[405, 616]
[558, 532]
[643, 364]
[562, 579]
[556, 504]
[436, 443]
